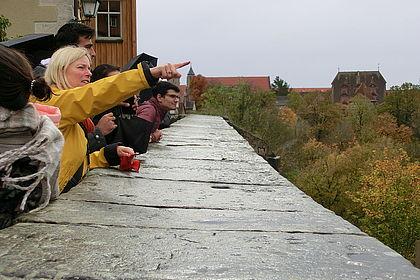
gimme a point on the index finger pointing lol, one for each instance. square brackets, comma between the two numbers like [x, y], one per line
[182, 64]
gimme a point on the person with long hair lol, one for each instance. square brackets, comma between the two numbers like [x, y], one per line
[69, 75]
[30, 145]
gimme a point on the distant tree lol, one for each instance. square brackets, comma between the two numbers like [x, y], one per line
[296, 102]
[198, 86]
[341, 136]
[280, 86]
[389, 198]
[328, 175]
[217, 100]
[288, 116]
[403, 103]
[406, 86]
[386, 125]
[4, 24]
[318, 110]
[361, 113]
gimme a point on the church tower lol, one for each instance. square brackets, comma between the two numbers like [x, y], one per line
[189, 104]
[190, 75]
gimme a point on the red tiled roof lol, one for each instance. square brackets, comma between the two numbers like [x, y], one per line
[262, 83]
[305, 90]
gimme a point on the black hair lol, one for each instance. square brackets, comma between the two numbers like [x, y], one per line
[163, 87]
[102, 71]
[17, 81]
[69, 34]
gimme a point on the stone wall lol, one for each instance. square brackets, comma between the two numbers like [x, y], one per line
[36, 16]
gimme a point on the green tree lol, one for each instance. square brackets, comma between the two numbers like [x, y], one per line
[331, 176]
[217, 100]
[280, 86]
[342, 136]
[361, 113]
[403, 103]
[241, 103]
[318, 110]
[251, 110]
[4, 24]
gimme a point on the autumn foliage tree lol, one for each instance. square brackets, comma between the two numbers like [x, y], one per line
[288, 116]
[389, 197]
[403, 103]
[198, 86]
[386, 125]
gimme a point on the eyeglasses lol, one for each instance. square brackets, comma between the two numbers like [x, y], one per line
[173, 96]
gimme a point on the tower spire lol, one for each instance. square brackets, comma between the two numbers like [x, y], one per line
[191, 71]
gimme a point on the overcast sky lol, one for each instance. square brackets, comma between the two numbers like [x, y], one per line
[302, 41]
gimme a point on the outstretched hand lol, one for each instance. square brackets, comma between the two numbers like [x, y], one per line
[168, 70]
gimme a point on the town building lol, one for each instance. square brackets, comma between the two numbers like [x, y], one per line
[115, 24]
[368, 83]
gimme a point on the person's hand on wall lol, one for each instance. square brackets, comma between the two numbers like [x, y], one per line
[106, 124]
[124, 151]
[156, 136]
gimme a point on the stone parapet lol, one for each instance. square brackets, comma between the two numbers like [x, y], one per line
[203, 206]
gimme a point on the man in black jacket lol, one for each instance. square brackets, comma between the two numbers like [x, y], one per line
[143, 128]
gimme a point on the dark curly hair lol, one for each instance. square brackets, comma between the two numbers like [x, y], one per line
[69, 34]
[102, 71]
[162, 88]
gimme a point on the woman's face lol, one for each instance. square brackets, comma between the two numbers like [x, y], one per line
[78, 73]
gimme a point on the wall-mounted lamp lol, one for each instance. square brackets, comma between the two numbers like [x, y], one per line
[90, 9]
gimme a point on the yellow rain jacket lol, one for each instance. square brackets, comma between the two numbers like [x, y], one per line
[79, 103]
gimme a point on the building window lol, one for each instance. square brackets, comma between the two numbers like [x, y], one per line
[108, 20]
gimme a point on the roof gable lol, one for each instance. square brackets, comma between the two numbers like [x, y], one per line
[354, 75]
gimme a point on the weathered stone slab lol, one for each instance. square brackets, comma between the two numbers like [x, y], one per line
[204, 172]
[195, 152]
[101, 252]
[166, 193]
[92, 213]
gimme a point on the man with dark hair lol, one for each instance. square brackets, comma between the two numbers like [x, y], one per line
[144, 128]
[77, 34]
[165, 98]
[70, 34]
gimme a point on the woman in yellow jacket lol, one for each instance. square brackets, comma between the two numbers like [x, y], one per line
[68, 74]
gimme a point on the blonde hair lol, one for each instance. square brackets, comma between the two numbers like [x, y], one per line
[55, 75]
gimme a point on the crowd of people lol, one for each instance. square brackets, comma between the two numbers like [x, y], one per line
[60, 119]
